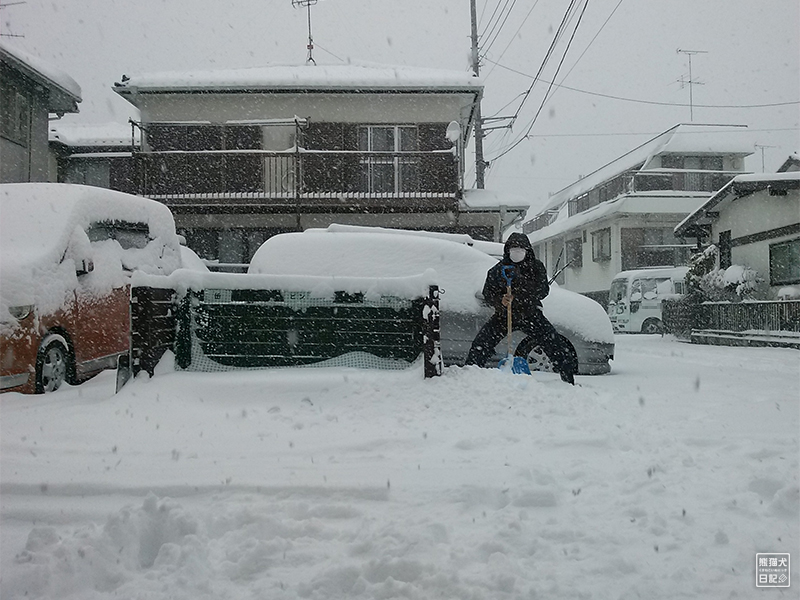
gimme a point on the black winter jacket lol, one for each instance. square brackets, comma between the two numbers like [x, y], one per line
[529, 283]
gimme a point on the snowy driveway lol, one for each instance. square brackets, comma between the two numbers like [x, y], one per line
[660, 480]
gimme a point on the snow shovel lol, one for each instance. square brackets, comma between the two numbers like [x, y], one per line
[518, 365]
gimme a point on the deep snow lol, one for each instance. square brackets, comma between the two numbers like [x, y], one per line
[660, 480]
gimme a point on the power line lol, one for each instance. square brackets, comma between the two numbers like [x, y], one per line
[639, 101]
[503, 24]
[513, 37]
[550, 87]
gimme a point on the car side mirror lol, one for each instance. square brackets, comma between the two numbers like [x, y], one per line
[84, 267]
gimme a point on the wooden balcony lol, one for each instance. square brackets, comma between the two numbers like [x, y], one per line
[298, 180]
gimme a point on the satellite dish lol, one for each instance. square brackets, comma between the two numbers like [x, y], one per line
[453, 132]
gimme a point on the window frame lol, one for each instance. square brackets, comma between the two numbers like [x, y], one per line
[601, 252]
[786, 280]
[402, 169]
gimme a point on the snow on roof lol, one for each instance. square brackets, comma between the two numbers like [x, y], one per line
[738, 187]
[685, 138]
[492, 200]
[101, 134]
[67, 91]
[305, 77]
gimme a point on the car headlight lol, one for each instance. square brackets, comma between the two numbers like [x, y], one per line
[21, 311]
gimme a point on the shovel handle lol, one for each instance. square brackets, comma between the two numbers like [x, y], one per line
[508, 320]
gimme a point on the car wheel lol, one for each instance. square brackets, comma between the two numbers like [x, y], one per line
[652, 326]
[539, 361]
[52, 364]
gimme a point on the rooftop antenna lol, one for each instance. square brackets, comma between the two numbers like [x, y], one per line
[6, 5]
[310, 45]
[762, 147]
[691, 81]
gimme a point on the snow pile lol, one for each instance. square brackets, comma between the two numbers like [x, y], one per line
[660, 481]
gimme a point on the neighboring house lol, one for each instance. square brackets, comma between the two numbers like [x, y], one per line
[241, 155]
[622, 216]
[755, 222]
[30, 91]
[99, 155]
[790, 164]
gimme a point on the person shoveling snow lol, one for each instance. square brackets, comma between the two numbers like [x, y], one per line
[519, 280]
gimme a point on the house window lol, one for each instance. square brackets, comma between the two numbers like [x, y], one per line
[724, 249]
[601, 245]
[575, 253]
[389, 173]
[15, 118]
[784, 262]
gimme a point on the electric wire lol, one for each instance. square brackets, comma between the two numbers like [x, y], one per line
[490, 43]
[567, 16]
[653, 102]
[513, 37]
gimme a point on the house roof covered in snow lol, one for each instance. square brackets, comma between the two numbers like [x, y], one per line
[65, 93]
[738, 187]
[305, 78]
[686, 138]
[101, 135]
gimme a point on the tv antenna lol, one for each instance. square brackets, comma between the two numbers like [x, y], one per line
[310, 45]
[691, 81]
[762, 147]
[6, 5]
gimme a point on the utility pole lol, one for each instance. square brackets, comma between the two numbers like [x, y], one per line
[691, 82]
[480, 164]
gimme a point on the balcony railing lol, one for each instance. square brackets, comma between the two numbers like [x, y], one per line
[652, 180]
[298, 178]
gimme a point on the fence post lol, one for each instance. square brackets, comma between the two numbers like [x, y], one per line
[431, 333]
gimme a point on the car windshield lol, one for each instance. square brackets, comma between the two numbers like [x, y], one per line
[618, 291]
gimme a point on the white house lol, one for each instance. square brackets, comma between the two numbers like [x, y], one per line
[755, 222]
[30, 91]
[240, 155]
[622, 216]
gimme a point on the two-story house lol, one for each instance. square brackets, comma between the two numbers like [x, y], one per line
[241, 155]
[30, 91]
[622, 216]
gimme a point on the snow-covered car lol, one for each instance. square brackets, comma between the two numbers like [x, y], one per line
[67, 254]
[460, 273]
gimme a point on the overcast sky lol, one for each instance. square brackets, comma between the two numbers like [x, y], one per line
[623, 48]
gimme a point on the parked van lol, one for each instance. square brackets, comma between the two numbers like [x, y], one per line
[66, 256]
[634, 300]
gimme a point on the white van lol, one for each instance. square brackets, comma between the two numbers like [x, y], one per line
[634, 300]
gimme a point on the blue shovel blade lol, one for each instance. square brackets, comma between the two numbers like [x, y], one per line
[516, 364]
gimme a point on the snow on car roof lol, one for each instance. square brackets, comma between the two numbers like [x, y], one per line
[460, 270]
[37, 219]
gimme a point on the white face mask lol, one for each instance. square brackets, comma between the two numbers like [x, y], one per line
[517, 254]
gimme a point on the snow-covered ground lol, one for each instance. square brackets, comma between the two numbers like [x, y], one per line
[660, 480]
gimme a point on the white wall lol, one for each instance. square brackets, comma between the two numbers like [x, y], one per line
[753, 214]
[341, 108]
